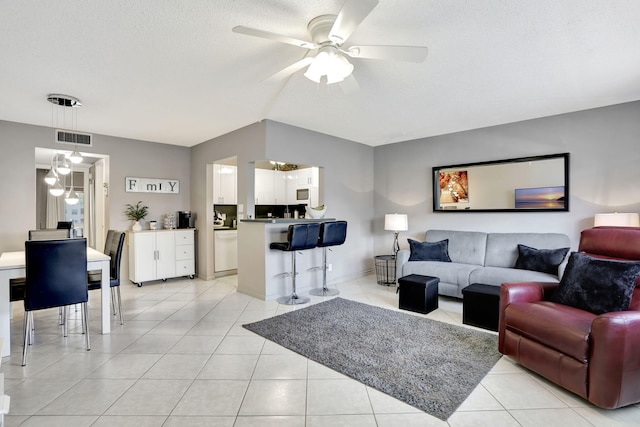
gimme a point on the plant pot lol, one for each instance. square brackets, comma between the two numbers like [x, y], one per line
[136, 226]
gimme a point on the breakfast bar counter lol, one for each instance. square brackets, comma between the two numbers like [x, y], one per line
[260, 269]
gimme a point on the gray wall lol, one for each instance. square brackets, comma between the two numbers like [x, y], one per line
[348, 184]
[361, 183]
[128, 157]
[248, 145]
[604, 147]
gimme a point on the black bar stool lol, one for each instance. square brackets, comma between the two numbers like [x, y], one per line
[299, 237]
[332, 233]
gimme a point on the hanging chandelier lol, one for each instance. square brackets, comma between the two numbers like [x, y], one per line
[63, 163]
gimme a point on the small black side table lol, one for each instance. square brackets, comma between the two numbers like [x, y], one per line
[418, 293]
[481, 306]
[385, 269]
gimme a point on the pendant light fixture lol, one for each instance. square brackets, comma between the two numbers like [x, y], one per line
[75, 157]
[56, 189]
[63, 165]
[66, 101]
[72, 197]
[51, 177]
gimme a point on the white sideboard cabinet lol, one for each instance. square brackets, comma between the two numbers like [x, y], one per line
[161, 255]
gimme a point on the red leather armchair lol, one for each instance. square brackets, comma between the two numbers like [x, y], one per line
[594, 356]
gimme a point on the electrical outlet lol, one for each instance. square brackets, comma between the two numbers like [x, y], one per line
[329, 267]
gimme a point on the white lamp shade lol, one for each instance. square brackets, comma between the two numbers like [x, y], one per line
[63, 167]
[56, 189]
[72, 198]
[396, 222]
[331, 63]
[51, 177]
[617, 220]
[75, 157]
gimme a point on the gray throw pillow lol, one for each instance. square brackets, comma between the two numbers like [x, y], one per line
[543, 260]
[429, 251]
[597, 285]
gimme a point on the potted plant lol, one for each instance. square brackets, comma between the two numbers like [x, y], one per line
[136, 213]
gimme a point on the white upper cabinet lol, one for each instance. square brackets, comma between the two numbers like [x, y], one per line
[264, 190]
[225, 184]
[309, 177]
[279, 188]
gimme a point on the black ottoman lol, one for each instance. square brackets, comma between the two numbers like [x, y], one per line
[481, 306]
[418, 293]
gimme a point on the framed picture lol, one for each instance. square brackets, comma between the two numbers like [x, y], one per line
[540, 198]
[454, 187]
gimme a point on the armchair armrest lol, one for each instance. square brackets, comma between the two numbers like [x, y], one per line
[614, 367]
[401, 259]
[520, 292]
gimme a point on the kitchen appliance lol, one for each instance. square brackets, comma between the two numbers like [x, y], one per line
[302, 194]
[185, 219]
[226, 250]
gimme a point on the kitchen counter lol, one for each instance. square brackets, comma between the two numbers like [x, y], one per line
[287, 220]
[223, 227]
[260, 268]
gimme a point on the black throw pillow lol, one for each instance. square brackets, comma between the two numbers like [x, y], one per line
[543, 260]
[429, 251]
[597, 285]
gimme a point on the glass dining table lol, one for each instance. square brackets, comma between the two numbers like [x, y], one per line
[12, 265]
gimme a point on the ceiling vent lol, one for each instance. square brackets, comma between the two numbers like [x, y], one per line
[68, 137]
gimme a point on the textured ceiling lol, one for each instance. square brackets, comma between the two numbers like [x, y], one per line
[174, 72]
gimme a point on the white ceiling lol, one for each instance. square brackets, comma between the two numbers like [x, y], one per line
[173, 72]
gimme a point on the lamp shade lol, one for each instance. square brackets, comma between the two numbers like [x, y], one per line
[331, 63]
[396, 222]
[616, 220]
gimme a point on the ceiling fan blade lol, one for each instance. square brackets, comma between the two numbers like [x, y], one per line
[273, 36]
[397, 53]
[351, 15]
[287, 71]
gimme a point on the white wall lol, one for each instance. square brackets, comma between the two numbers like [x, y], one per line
[604, 147]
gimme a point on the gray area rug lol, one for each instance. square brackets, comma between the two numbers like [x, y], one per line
[430, 365]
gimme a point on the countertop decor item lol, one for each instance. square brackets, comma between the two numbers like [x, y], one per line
[317, 212]
[136, 213]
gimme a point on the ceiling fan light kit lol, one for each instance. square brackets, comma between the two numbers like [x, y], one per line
[329, 33]
[331, 63]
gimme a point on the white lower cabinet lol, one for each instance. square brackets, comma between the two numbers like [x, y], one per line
[160, 254]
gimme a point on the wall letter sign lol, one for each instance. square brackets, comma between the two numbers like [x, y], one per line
[151, 185]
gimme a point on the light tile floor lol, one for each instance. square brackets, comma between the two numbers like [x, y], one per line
[182, 358]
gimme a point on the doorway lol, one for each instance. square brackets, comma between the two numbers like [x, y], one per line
[89, 179]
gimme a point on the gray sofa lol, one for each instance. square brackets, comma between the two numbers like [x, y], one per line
[478, 257]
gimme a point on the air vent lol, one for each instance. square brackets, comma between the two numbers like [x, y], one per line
[68, 137]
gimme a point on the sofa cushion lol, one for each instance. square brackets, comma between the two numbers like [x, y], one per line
[539, 322]
[543, 260]
[499, 275]
[465, 247]
[597, 285]
[429, 251]
[448, 272]
[502, 248]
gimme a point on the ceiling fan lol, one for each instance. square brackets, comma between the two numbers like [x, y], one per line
[329, 33]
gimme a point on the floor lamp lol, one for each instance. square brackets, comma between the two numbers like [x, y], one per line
[396, 223]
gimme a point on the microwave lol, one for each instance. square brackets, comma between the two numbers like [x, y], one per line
[302, 194]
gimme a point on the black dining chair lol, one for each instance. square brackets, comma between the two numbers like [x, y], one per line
[113, 248]
[56, 277]
[17, 285]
